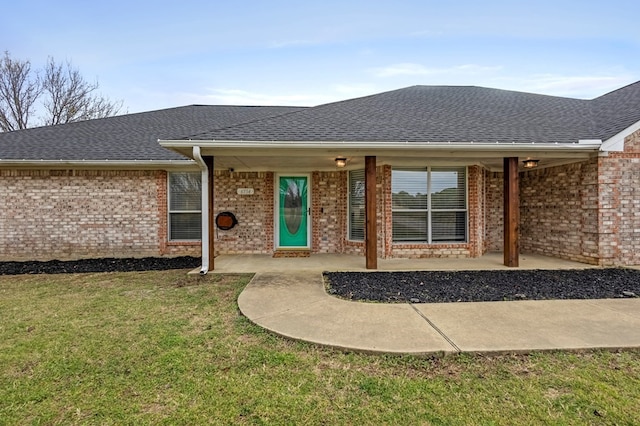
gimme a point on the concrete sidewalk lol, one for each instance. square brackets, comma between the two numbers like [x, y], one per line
[294, 304]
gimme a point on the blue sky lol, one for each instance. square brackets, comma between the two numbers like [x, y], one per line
[158, 54]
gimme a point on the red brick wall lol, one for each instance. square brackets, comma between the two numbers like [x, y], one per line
[476, 206]
[98, 213]
[69, 214]
[558, 211]
[493, 211]
[619, 205]
[255, 213]
[329, 211]
[587, 211]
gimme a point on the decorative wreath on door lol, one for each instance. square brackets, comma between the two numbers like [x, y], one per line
[226, 220]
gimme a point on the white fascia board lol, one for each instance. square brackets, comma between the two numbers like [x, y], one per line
[587, 145]
[616, 142]
[105, 164]
[591, 142]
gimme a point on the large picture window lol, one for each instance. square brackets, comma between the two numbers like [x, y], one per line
[185, 206]
[429, 205]
[356, 205]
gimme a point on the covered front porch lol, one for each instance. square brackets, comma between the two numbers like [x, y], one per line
[317, 263]
[486, 216]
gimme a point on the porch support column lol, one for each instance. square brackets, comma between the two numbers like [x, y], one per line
[371, 232]
[208, 160]
[511, 212]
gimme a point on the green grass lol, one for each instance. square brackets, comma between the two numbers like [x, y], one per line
[164, 348]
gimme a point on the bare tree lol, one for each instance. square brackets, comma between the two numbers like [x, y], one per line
[19, 90]
[64, 95]
[68, 97]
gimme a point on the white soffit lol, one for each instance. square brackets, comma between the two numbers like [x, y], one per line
[321, 148]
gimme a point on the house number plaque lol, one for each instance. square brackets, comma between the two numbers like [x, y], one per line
[245, 191]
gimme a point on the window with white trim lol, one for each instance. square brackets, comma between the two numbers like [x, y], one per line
[429, 205]
[185, 206]
[356, 205]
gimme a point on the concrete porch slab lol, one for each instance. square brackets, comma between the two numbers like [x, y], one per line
[346, 262]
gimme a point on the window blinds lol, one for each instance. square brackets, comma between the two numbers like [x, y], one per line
[185, 206]
[429, 204]
[356, 205]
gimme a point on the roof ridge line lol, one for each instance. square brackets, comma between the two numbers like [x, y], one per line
[615, 90]
[300, 109]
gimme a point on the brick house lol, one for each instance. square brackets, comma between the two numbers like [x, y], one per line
[425, 171]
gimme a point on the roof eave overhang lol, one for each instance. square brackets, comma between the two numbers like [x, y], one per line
[321, 148]
[99, 164]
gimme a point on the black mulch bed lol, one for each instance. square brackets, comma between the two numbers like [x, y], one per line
[484, 286]
[99, 265]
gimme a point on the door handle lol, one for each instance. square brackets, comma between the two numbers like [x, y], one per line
[309, 211]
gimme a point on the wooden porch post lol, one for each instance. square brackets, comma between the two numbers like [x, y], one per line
[209, 162]
[371, 233]
[511, 212]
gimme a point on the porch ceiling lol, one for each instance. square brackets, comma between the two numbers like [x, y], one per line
[307, 156]
[327, 163]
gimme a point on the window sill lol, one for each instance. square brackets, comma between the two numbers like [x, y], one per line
[184, 243]
[405, 244]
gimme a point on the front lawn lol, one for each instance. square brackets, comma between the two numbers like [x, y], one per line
[164, 348]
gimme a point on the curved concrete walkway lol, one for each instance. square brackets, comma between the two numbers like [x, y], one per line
[294, 304]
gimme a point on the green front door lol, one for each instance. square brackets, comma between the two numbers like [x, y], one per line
[292, 211]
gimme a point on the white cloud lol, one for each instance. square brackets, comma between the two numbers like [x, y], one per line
[347, 91]
[243, 97]
[578, 86]
[402, 69]
[305, 97]
[413, 69]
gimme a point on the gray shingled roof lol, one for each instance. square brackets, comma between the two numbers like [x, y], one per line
[449, 113]
[616, 110]
[126, 137]
[413, 114]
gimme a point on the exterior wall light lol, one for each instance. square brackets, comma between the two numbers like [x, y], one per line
[341, 161]
[529, 163]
